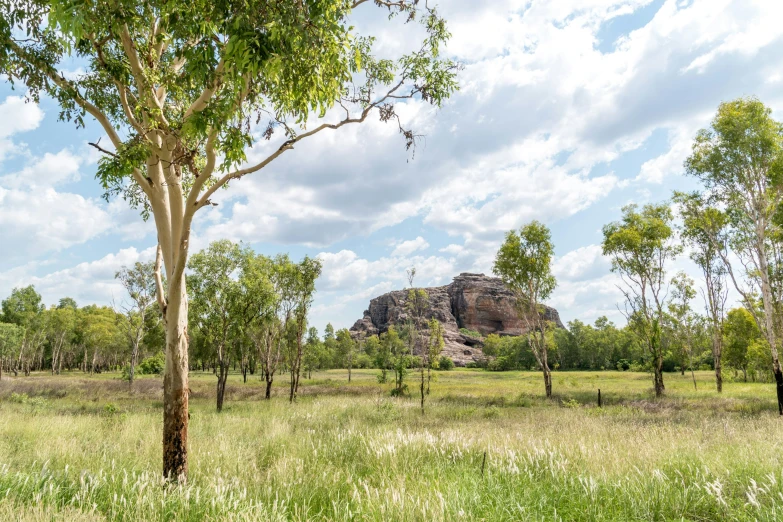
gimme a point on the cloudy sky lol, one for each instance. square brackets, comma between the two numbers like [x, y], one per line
[568, 110]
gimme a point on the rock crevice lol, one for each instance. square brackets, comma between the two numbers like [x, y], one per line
[470, 301]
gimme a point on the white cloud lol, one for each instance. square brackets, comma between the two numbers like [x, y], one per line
[583, 263]
[44, 220]
[17, 116]
[406, 248]
[47, 171]
[90, 282]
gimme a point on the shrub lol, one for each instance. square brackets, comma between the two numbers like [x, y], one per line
[152, 365]
[363, 361]
[471, 333]
[501, 364]
[445, 363]
[19, 398]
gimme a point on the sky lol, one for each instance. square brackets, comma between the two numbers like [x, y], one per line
[567, 111]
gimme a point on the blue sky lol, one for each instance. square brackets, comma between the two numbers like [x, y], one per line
[568, 110]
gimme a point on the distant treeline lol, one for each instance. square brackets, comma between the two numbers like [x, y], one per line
[604, 346]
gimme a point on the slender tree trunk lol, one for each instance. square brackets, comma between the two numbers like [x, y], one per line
[221, 383]
[717, 351]
[175, 385]
[268, 394]
[421, 388]
[134, 359]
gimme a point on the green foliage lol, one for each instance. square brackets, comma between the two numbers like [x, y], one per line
[741, 334]
[22, 306]
[524, 262]
[152, 365]
[471, 333]
[445, 363]
[221, 66]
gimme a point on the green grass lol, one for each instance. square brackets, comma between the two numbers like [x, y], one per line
[87, 448]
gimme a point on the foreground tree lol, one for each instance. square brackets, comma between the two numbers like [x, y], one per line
[139, 282]
[740, 161]
[524, 263]
[640, 245]
[176, 85]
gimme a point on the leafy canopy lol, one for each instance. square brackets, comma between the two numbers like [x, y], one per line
[185, 82]
[524, 262]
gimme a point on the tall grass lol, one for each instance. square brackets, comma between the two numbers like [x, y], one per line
[353, 453]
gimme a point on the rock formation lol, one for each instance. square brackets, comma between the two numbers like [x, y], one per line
[471, 301]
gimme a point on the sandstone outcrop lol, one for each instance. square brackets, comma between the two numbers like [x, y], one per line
[471, 301]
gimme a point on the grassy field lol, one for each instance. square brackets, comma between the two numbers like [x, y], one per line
[490, 447]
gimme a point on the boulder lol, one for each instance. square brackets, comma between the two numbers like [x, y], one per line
[471, 301]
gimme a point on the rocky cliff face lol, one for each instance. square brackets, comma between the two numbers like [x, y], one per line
[472, 301]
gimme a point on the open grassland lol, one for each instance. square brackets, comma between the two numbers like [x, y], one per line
[490, 447]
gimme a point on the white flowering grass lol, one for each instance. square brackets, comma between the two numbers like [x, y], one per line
[352, 453]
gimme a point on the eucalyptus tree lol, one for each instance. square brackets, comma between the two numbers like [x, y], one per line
[307, 271]
[313, 352]
[346, 348]
[741, 332]
[274, 313]
[640, 245]
[434, 347]
[11, 336]
[215, 297]
[399, 357]
[61, 325]
[100, 336]
[740, 161]
[139, 283]
[703, 231]
[524, 263]
[24, 308]
[683, 319]
[177, 87]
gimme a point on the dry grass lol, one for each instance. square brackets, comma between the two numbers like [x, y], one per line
[348, 452]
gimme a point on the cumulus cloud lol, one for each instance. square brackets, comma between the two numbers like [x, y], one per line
[35, 222]
[585, 262]
[16, 116]
[406, 248]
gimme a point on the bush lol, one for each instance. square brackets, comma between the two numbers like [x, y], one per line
[501, 364]
[471, 333]
[152, 365]
[445, 363]
[363, 361]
